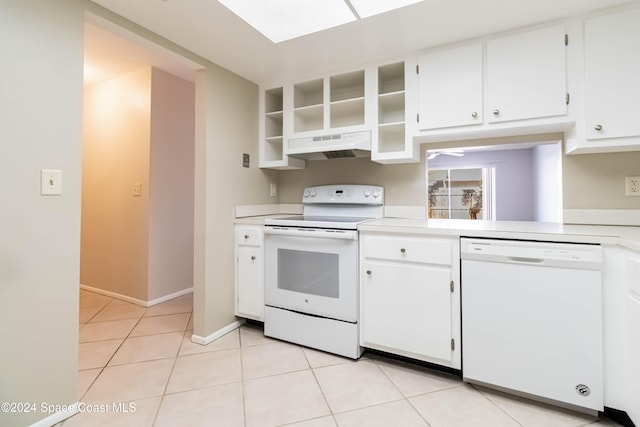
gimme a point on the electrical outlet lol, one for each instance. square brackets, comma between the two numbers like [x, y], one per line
[632, 186]
[273, 190]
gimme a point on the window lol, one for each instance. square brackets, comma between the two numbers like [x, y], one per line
[462, 193]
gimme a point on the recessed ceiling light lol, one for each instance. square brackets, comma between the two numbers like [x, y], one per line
[281, 20]
[366, 8]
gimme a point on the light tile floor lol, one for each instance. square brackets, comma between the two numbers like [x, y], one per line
[144, 357]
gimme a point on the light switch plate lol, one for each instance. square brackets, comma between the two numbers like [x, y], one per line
[137, 189]
[50, 182]
[273, 189]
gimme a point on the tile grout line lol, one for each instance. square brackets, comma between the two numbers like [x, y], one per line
[101, 367]
[244, 403]
[106, 364]
[128, 335]
[375, 362]
[378, 362]
[313, 372]
[496, 405]
[116, 350]
[173, 365]
[97, 312]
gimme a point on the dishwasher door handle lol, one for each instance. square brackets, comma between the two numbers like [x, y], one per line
[523, 260]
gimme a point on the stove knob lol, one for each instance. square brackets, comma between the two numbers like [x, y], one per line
[306, 194]
[314, 193]
[376, 194]
[367, 193]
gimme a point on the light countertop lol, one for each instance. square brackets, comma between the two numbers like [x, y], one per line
[552, 232]
[258, 219]
[626, 236]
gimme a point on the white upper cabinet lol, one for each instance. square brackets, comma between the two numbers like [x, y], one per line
[450, 87]
[346, 100]
[579, 77]
[308, 106]
[392, 141]
[327, 105]
[272, 132]
[510, 85]
[612, 70]
[526, 75]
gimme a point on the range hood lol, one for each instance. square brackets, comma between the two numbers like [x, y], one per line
[340, 145]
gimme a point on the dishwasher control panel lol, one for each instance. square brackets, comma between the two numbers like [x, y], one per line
[531, 251]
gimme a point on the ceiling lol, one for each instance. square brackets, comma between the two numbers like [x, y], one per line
[110, 51]
[211, 31]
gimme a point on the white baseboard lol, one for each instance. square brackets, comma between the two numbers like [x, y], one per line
[217, 334]
[136, 301]
[57, 417]
[602, 216]
[169, 297]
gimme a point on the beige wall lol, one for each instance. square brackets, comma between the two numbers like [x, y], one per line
[405, 184]
[139, 128]
[226, 127]
[594, 181]
[115, 224]
[226, 123]
[171, 184]
[40, 115]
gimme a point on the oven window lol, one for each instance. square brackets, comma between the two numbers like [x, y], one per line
[313, 273]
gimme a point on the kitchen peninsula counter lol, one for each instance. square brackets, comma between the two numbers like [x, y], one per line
[626, 236]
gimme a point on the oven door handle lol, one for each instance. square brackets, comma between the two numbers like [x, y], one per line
[310, 232]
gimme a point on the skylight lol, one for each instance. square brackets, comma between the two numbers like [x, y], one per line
[366, 8]
[281, 20]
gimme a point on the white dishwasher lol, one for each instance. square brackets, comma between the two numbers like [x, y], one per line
[532, 319]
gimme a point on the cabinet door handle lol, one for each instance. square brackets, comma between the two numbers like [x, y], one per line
[598, 127]
[368, 272]
[253, 257]
[496, 112]
[403, 250]
[474, 115]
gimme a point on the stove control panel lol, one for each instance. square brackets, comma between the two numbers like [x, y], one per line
[344, 194]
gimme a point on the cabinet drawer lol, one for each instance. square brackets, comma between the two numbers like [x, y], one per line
[410, 249]
[248, 236]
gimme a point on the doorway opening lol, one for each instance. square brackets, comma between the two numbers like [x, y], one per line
[137, 191]
[138, 166]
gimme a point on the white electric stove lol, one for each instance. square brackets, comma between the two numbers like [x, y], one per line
[311, 268]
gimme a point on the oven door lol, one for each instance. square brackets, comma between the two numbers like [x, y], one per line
[312, 271]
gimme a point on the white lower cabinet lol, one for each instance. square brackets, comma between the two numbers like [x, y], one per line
[410, 303]
[633, 358]
[633, 336]
[249, 272]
